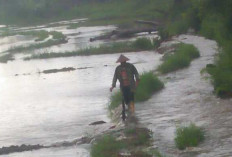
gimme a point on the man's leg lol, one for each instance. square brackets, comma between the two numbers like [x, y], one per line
[132, 104]
[123, 110]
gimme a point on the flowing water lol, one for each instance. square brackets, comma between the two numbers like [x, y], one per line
[43, 109]
[39, 108]
[187, 98]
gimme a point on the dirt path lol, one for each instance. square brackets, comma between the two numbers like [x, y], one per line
[188, 98]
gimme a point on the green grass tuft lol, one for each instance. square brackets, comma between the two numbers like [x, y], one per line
[148, 84]
[182, 58]
[106, 147]
[6, 58]
[57, 35]
[143, 44]
[189, 136]
[115, 100]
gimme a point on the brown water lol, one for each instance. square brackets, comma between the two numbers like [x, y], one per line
[48, 108]
[45, 109]
[187, 98]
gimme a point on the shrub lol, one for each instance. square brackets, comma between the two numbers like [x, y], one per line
[222, 75]
[189, 136]
[180, 59]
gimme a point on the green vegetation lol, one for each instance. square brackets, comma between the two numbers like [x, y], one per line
[115, 100]
[148, 85]
[6, 58]
[189, 136]
[57, 35]
[100, 12]
[40, 35]
[48, 43]
[117, 47]
[156, 153]
[108, 146]
[212, 19]
[143, 44]
[183, 56]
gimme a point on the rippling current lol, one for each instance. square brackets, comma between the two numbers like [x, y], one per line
[37, 108]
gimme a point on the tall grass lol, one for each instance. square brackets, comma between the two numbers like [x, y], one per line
[189, 136]
[148, 85]
[182, 58]
[117, 47]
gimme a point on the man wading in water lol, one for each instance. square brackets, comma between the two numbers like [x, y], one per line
[126, 73]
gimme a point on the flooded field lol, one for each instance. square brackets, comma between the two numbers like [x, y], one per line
[45, 109]
[39, 108]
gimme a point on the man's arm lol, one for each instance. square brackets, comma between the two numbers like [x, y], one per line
[136, 74]
[114, 80]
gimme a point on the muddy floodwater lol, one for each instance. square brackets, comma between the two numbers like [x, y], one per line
[44, 109]
[187, 98]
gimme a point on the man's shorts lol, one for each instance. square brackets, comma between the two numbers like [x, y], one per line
[128, 95]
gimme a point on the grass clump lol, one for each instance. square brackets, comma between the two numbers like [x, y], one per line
[148, 84]
[57, 35]
[117, 47]
[189, 136]
[182, 58]
[6, 58]
[106, 147]
[156, 153]
[40, 35]
[136, 140]
[115, 100]
[48, 43]
[138, 136]
[143, 44]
